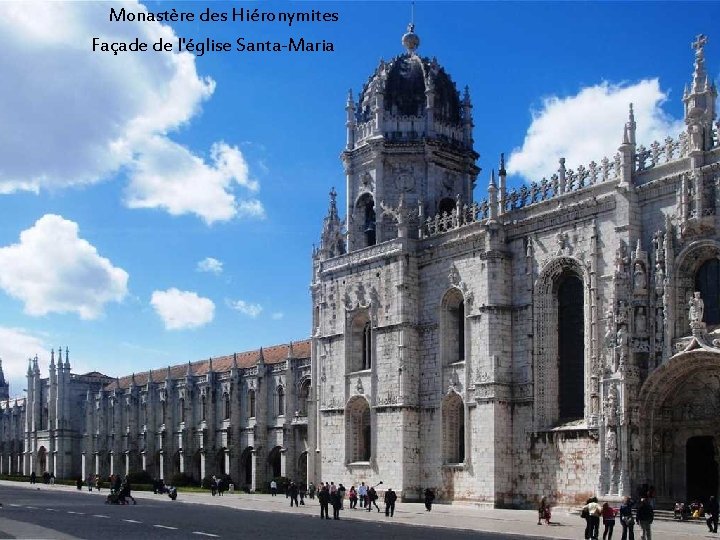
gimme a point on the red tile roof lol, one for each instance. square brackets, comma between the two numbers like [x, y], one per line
[271, 355]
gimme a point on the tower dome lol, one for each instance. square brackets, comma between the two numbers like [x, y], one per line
[412, 97]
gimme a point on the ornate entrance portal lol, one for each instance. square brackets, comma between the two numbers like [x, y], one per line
[680, 404]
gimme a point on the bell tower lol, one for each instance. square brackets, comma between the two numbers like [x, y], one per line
[409, 135]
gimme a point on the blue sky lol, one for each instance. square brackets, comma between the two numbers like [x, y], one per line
[125, 174]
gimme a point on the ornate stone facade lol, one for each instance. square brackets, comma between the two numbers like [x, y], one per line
[531, 344]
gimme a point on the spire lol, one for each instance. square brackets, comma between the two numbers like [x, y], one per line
[36, 367]
[167, 374]
[700, 80]
[502, 171]
[60, 360]
[52, 359]
[30, 370]
[630, 127]
[261, 357]
[492, 197]
[332, 239]
[332, 209]
[150, 377]
[188, 371]
[235, 364]
[210, 368]
[291, 353]
[67, 359]
[2, 374]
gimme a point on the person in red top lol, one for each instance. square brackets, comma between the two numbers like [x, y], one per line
[608, 517]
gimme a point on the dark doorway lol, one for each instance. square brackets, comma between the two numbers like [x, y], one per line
[571, 348]
[702, 469]
[707, 281]
[274, 462]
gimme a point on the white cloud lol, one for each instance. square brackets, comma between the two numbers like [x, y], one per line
[246, 308]
[180, 310]
[277, 316]
[16, 346]
[210, 264]
[167, 175]
[53, 270]
[78, 117]
[589, 126]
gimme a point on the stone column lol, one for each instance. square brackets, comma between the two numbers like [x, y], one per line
[83, 465]
[283, 461]
[144, 461]
[182, 461]
[253, 484]
[227, 460]
[202, 464]
[112, 463]
[127, 463]
[162, 465]
[97, 463]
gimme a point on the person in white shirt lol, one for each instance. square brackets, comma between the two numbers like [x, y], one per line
[273, 488]
[362, 494]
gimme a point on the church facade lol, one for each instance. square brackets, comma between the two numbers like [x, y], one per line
[558, 339]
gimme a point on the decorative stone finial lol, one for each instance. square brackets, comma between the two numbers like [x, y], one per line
[410, 40]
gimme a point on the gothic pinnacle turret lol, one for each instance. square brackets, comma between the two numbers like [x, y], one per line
[699, 102]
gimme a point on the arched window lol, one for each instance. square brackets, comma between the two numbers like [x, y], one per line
[571, 347]
[227, 406]
[358, 436]
[453, 327]
[303, 396]
[251, 403]
[181, 407]
[453, 418]
[707, 282]
[366, 221]
[164, 411]
[446, 206]
[203, 408]
[360, 346]
[280, 401]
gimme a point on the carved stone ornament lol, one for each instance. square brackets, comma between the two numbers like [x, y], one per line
[454, 276]
[359, 387]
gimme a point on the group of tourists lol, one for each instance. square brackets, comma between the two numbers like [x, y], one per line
[330, 494]
[48, 478]
[593, 512]
[218, 486]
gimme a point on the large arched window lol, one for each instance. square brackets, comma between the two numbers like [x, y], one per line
[251, 403]
[453, 429]
[571, 347]
[358, 436]
[707, 282]
[280, 401]
[181, 407]
[453, 327]
[361, 346]
[203, 408]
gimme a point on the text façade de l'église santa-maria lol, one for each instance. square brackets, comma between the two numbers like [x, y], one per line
[557, 340]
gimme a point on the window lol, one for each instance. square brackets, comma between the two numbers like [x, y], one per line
[707, 282]
[360, 346]
[571, 355]
[181, 406]
[280, 401]
[453, 418]
[251, 403]
[203, 408]
[365, 227]
[303, 396]
[453, 327]
[358, 430]
[227, 406]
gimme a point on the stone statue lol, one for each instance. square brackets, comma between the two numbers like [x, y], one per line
[609, 329]
[659, 278]
[611, 413]
[640, 320]
[622, 342]
[611, 447]
[697, 308]
[640, 277]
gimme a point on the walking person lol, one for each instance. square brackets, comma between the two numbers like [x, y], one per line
[302, 491]
[372, 497]
[125, 491]
[608, 517]
[311, 490]
[91, 481]
[33, 477]
[341, 492]
[645, 516]
[362, 494]
[627, 521]
[353, 497]
[390, 498]
[544, 512]
[712, 509]
[293, 493]
[336, 502]
[429, 498]
[273, 488]
[324, 500]
[591, 512]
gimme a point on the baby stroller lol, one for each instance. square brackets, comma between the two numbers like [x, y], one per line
[115, 498]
